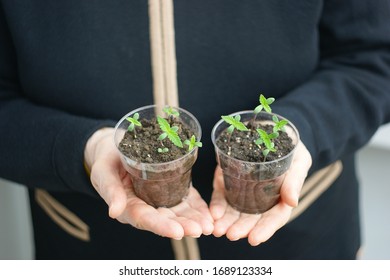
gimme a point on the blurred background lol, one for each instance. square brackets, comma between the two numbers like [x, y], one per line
[16, 237]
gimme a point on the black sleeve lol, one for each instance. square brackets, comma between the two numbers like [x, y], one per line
[342, 105]
[39, 147]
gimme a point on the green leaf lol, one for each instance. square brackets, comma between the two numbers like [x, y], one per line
[267, 139]
[171, 112]
[280, 125]
[266, 102]
[169, 131]
[229, 119]
[258, 109]
[235, 122]
[164, 150]
[196, 143]
[192, 143]
[262, 133]
[175, 139]
[134, 120]
[258, 141]
[273, 135]
[270, 100]
[163, 123]
[162, 136]
[267, 142]
[131, 127]
[193, 140]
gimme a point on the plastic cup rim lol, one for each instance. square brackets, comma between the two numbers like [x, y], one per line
[160, 163]
[213, 139]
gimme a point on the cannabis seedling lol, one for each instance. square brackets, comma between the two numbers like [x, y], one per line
[163, 150]
[170, 132]
[279, 124]
[264, 104]
[133, 122]
[266, 139]
[192, 143]
[235, 123]
[171, 112]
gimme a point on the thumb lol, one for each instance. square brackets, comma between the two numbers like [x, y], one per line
[295, 176]
[117, 203]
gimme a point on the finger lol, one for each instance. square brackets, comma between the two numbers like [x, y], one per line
[269, 223]
[222, 225]
[295, 176]
[109, 185]
[160, 221]
[218, 204]
[196, 202]
[202, 213]
[242, 227]
[187, 217]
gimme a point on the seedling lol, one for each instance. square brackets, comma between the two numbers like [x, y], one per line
[192, 143]
[265, 142]
[133, 122]
[163, 150]
[235, 123]
[170, 132]
[279, 124]
[171, 112]
[266, 139]
[264, 104]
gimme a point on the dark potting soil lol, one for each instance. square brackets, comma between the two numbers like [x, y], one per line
[241, 144]
[160, 188]
[252, 190]
[142, 145]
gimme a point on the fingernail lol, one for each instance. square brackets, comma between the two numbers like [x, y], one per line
[233, 238]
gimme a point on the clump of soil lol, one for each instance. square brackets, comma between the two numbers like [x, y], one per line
[142, 146]
[240, 144]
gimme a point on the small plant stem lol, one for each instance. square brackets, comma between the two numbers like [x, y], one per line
[252, 122]
[228, 140]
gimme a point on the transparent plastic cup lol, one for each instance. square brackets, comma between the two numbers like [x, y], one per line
[160, 184]
[253, 187]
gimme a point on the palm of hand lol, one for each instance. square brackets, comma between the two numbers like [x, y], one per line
[259, 228]
[190, 218]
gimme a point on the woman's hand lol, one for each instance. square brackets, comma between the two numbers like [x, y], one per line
[189, 218]
[259, 228]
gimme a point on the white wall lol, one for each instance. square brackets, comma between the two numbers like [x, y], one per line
[16, 238]
[381, 139]
[374, 173]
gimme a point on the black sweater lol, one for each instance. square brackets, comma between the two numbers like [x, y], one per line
[70, 67]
